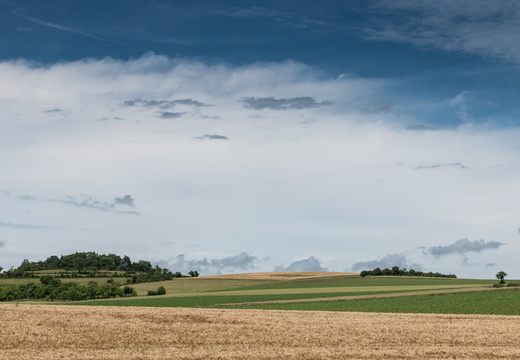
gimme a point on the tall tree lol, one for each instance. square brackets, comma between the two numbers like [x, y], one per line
[500, 276]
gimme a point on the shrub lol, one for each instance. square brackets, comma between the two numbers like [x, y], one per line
[160, 291]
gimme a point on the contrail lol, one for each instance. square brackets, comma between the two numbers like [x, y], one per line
[64, 28]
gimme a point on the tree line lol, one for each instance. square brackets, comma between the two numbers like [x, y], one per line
[86, 261]
[92, 264]
[51, 288]
[396, 271]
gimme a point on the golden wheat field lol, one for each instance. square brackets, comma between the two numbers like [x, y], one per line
[81, 332]
[282, 275]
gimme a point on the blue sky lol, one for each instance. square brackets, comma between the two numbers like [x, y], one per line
[238, 136]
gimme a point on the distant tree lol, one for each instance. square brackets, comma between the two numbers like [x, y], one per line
[46, 279]
[500, 276]
[396, 271]
[193, 273]
[177, 274]
[161, 290]
[1, 268]
[129, 291]
[386, 272]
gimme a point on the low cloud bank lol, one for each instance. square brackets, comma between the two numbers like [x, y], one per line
[387, 261]
[242, 261]
[310, 264]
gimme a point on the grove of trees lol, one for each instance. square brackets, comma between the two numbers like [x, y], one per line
[396, 271]
[51, 288]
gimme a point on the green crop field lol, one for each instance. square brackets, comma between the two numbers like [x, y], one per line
[400, 294]
[501, 302]
[334, 293]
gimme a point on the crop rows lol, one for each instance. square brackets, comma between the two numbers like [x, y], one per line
[41, 332]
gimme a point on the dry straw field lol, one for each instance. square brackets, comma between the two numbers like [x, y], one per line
[81, 332]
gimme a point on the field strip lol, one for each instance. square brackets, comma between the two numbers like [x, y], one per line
[339, 289]
[374, 296]
[42, 332]
[276, 276]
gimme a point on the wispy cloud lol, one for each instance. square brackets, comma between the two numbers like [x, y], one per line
[476, 27]
[170, 115]
[125, 200]
[282, 104]
[161, 104]
[27, 226]
[379, 109]
[251, 12]
[212, 137]
[89, 202]
[53, 111]
[419, 127]
[462, 247]
[62, 28]
[442, 165]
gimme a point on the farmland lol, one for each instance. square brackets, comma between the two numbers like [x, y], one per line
[81, 332]
[332, 293]
[340, 316]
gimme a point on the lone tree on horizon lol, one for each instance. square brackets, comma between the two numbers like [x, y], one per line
[500, 276]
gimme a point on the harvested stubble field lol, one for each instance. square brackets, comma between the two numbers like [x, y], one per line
[81, 332]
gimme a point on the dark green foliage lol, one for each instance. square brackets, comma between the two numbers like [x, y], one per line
[160, 291]
[500, 276]
[53, 289]
[396, 271]
[193, 273]
[91, 264]
[16, 273]
[153, 275]
[46, 279]
[85, 262]
[129, 291]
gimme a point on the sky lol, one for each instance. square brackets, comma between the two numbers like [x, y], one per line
[244, 136]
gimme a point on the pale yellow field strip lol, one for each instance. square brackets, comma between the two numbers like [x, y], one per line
[40, 332]
[339, 289]
[287, 275]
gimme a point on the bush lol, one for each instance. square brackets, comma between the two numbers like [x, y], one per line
[129, 291]
[160, 291]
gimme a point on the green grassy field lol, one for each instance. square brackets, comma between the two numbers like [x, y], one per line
[339, 293]
[505, 302]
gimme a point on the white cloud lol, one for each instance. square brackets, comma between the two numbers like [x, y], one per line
[237, 263]
[320, 180]
[310, 264]
[480, 27]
